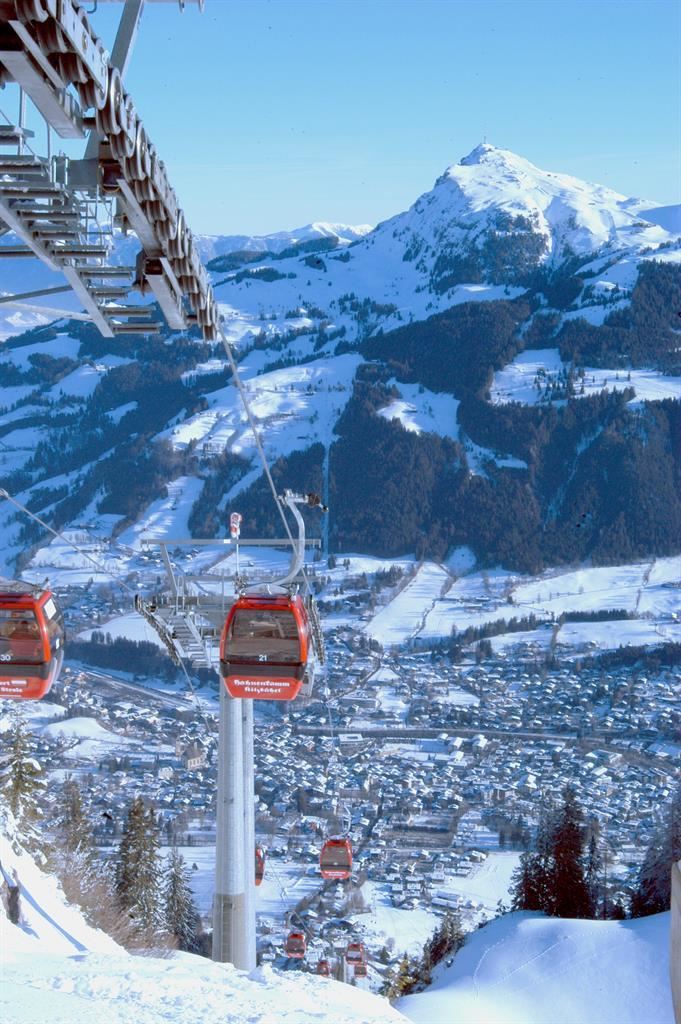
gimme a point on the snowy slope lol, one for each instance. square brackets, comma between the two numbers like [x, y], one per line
[527, 969]
[56, 968]
[48, 925]
[574, 216]
[529, 377]
[183, 988]
[286, 328]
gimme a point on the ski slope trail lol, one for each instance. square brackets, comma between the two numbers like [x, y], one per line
[529, 969]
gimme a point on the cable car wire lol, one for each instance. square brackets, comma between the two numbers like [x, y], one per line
[107, 572]
[72, 544]
[257, 438]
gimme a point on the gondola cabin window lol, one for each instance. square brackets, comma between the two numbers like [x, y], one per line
[264, 635]
[20, 638]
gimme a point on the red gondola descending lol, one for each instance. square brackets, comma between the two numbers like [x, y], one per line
[265, 646]
[335, 860]
[323, 968]
[355, 954]
[31, 641]
[259, 865]
[296, 945]
[360, 970]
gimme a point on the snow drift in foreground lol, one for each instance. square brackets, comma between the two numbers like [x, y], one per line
[529, 969]
[183, 988]
[56, 969]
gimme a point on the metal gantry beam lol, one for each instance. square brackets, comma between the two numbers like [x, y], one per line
[48, 48]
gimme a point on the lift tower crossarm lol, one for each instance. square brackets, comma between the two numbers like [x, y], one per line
[292, 502]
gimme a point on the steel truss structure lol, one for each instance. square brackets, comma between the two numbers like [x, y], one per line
[64, 210]
[189, 612]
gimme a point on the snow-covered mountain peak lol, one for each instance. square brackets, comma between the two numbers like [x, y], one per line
[478, 154]
[495, 217]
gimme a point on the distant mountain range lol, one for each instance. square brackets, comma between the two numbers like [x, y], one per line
[378, 362]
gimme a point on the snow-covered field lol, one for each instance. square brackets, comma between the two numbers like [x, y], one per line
[405, 614]
[293, 405]
[120, 989]
[525, 380]
[528, 969]
[434, 603]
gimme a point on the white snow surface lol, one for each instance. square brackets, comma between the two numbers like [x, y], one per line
[211, 246]
[148, 990]
[520, 969]
[528, 969]
[420, 410]
[516, 382]
[296, 407]
[435, 600]
[130, 627]
[406, 613]
[47, 924]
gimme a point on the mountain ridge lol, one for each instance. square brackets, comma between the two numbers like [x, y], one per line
[334, 347]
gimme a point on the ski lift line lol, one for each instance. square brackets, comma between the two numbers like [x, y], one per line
[253, 425]
[11, 299]
[72, 544]
[258, 440]
[8, 497]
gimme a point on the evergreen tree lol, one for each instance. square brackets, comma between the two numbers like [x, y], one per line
[21, 778]
[138, 877]
[425, 971]
[571, 896]
[530, 888]
[552, 879]
[617, 912]
[405, 980]
[181, 916]
[73, 823]
[73, 856]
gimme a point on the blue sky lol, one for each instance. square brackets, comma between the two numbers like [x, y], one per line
[273, 113]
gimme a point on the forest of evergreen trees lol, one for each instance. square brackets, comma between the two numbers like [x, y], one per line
[135, 895]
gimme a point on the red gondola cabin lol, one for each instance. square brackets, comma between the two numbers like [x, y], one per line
[335, 860]
[355, 954]
[265, 647]
[31, 642]
[360, 970]
[296, 945]
[259, 865]
[324, 968]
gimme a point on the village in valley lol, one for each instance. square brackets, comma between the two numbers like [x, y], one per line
[436, 755]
